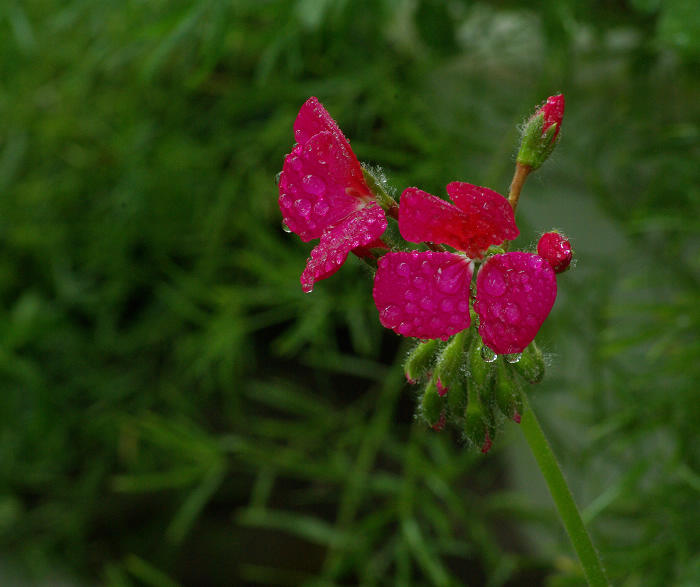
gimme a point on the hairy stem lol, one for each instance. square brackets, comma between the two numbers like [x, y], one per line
[516, 184]
[564, 501]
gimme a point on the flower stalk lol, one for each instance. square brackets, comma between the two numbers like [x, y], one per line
[564, 501]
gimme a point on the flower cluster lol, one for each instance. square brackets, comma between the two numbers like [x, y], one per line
[479, 336]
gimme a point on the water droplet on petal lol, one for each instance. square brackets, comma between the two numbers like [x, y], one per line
[404, 328]
[314, 185]
[277, 178]
[514, 357]
[495, 284]
[296, 163]
[511, 313]
[449, 279]
[447, 305]
[488, 355]
[427, 304]
[419, 282]
[285, 227]
[321, 208]
[303, 206]
[403, 269]
[390, 314]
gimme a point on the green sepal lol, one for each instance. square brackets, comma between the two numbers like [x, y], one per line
[432, 405]
[421, 359]
[379, 186]
[531, 364]
[457, 399]
[479, 421]
[480, 372]
[508, 392]
[450, 364]
[536, 145]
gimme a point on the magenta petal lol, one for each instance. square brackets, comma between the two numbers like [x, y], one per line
[319, 186]
[357, 230]
[481, 218]
[312, 119]
[423, 294]
[514, 294]
[491, 215]
[424, 217]
[553, 111]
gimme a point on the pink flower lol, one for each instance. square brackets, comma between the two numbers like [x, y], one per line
[323, 195]
[426, 294]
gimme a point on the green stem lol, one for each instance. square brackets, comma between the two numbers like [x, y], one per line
[568, 512]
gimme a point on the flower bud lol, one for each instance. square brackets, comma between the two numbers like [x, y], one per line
[556, 250]
[540, 133]
[508, 393]
[450, 362]
[420, 360]
[531, 364]
[479, 423]
[432, 404]
[480, 370]
[457, 399]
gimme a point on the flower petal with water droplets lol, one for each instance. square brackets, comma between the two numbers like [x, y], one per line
[482, 218]
[312, 119]
[514, 295]
[359, 229]
[321, 183]
[414, 302]
[492, 217]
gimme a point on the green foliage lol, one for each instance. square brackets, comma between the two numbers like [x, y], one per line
[173, 410]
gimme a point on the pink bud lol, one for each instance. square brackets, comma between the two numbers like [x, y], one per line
[553, 111]
[556, 250]
[441, 389]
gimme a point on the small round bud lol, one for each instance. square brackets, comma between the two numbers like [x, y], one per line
[540, 133]
[555, 248]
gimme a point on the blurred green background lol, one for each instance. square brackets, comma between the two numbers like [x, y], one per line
[174, 411]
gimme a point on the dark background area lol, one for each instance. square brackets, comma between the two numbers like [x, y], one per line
[175, 411]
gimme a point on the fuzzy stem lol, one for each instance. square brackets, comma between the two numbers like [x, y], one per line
[564, 501]
[516, 185]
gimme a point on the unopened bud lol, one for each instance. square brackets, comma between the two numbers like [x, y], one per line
[508, 393]
[420, 359]
[479, 423]
[457, 399]
[540, 133]
[432, 404]
[555, 248]
[480, 370]
[449, 368]
[531, 364]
